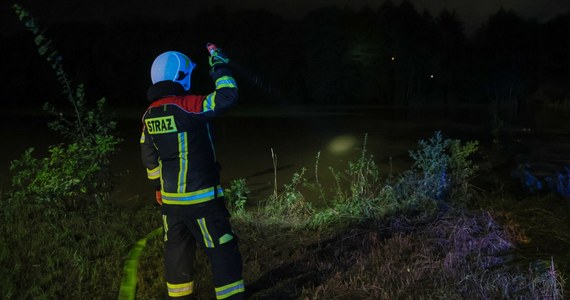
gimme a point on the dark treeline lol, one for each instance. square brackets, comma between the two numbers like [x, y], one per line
[393, 55]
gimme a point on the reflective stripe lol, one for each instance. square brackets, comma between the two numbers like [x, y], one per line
[210, 102]
[165, 226]
[180, 289]
[142, 138]
[183, 154]
[160, 166]
[154, 173]
[205, 233]
[211, 140]
[222, 82]
[226, 238]
[230, 289]
[225, 82]
[190, 198]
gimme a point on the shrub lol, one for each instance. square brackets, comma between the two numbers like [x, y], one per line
[441, 171]
[49, 244]
[78, 169]
[236, 197]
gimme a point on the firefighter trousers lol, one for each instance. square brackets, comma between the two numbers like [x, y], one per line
[214, 234]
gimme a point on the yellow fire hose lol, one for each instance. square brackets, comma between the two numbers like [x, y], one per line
[129, 282]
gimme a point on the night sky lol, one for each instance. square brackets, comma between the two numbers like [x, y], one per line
[472, 12]
[150, 16]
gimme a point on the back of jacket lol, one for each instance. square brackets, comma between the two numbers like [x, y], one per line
[177, 145]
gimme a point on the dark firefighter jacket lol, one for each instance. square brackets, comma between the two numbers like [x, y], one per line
[176, 141]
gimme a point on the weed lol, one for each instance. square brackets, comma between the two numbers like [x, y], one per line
[290, 206]
[236, 197]
[316, 186]
[360, 200]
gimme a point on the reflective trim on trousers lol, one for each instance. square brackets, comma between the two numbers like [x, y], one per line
[229, 290]
[180, 289]
[205, 233]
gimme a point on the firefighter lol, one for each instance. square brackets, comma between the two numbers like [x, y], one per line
[178, 152]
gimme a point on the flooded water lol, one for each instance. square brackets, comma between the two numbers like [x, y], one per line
[247, 137]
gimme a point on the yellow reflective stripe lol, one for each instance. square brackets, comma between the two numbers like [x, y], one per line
[154, 173]
[184, 202]
[205, 233]
[192, 197]
[180, 289]
[161, 179]
[230, 289]
[183, 161]
[226, 238]
[222, 82]
[142, 138]
[194, 193]
[225, 82]
[165, 226]
[210, 102]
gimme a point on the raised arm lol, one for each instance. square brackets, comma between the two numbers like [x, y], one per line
[225, 95]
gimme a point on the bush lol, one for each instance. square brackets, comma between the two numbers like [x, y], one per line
[236, 197]
[440, 172]
[74, 171]
[57, 243]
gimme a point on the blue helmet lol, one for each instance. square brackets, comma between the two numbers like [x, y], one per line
[172, 65]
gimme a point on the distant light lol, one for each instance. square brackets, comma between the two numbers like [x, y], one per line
[431, 76]
[393, 58]
[342, 144]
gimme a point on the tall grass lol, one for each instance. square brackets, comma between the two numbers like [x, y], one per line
[385, 239]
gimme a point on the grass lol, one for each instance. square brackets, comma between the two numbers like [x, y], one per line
[373, 238]
[43, 255]
[380, 239]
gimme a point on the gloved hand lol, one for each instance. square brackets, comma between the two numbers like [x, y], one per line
[159, 198]
[217, 58]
